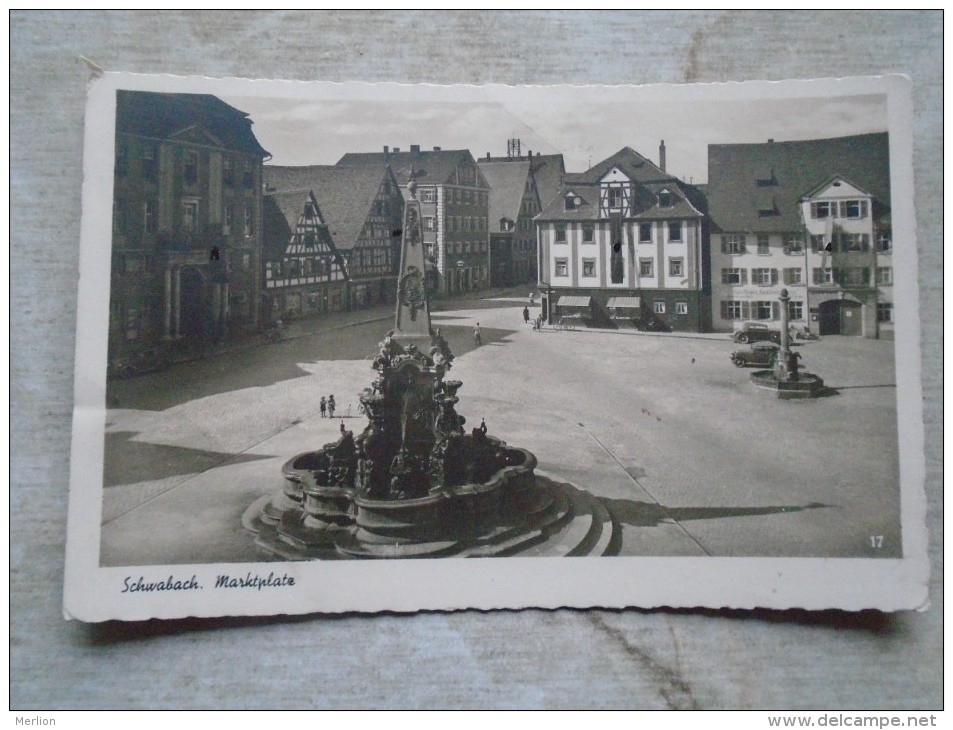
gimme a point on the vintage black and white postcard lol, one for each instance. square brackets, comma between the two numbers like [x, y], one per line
[366, 347]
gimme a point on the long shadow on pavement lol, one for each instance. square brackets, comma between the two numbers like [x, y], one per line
[129, 462]
[646, 514]
[267, 364]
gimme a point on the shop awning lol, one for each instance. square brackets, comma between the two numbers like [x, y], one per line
[573, 301]
[624, 303]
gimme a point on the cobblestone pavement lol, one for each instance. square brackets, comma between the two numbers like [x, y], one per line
[664, 428]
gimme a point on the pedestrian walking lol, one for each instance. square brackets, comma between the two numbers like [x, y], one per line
[324, 406]
[342, 428]
[526, 315]
[477, 337]
[331, 406]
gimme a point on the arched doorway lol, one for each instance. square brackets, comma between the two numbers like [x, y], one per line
[193, 308]
[840, 317]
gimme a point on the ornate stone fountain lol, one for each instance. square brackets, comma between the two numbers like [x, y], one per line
[786, 378]
[415, 482]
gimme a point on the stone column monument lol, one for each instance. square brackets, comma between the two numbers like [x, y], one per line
[412, 317]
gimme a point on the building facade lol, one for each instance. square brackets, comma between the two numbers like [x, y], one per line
[514, 203]
[187, 213]
[810, 216]
[454, 206]
[623, 245]
[303, 273]
[361, 207]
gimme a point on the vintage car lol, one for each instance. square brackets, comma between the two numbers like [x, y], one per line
[756, 332]
[759, 353]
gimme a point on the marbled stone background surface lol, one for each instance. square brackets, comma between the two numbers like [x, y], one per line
[539, 659]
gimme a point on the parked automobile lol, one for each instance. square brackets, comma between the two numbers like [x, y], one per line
[655, 325]
[759, 353]
[151, 360]
[756, 332]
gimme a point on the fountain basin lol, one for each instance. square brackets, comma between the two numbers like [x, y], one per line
[807, 385]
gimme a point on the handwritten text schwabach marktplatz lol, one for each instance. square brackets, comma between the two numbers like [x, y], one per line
[131, 585]
[254, 581]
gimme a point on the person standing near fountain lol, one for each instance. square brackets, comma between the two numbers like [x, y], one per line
[477, 338]
[331, 406]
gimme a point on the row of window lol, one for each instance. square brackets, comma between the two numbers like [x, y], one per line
[793, 243]
[188, 218]
[852, 276]
[460, 247]
[676, 267]
[643, 230]
[187, 164]
[763, 310]
[853, 209]
[457, 223]
[454, 195]
[769, 310]
[847, 276]
[292, 268]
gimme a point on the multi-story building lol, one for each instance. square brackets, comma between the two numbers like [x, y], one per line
[186, 223]
[454, 206]
[361, 207]
[811, 216]
[623, 244]
[545, 176]
[303, 271]
[514, 202]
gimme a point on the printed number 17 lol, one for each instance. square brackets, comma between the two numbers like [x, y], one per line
[876, 541]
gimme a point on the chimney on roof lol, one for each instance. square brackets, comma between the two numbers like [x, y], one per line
[396, 150]
[415, 149]
[771, 140]
[488, 155]
[436, 149]
[386, 149]
[661, 156]
[529, 155]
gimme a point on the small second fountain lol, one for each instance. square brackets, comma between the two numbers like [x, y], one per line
[786, 378]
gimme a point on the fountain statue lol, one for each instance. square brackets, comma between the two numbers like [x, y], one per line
[414, 482]
[786, 378]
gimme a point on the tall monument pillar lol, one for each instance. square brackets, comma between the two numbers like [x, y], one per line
[412, 318]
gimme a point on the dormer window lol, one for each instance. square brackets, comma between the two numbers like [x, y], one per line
[573, 201]
[666, 199]
[615, 197]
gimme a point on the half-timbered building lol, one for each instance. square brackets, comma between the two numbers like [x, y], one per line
[361, 207]
[303, 272]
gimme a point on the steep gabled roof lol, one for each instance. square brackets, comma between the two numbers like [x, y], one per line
[151, 114]
[746, 178]
[344, 194]
[280, 214]
[648, 207]
[831, 181]
[548, 171]
[636, 167]
[432, 167]
[507, 181]
[649, 180]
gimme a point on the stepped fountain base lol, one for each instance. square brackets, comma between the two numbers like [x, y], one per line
[546, 519]
[807, 385]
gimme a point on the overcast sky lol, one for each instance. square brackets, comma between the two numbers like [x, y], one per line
[585, 125]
